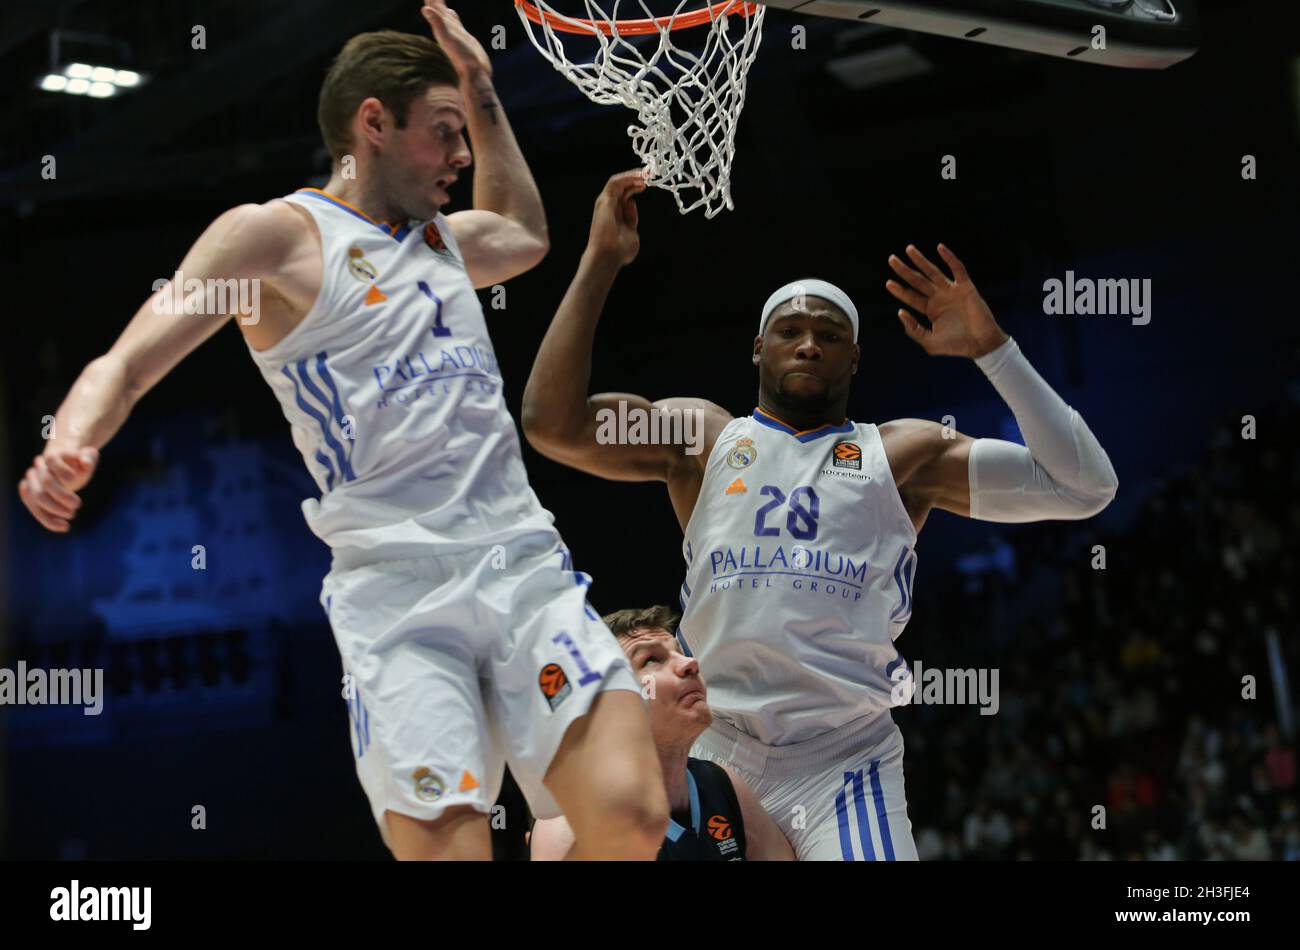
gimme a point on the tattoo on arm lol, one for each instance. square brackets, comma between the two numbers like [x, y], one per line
[488, 101]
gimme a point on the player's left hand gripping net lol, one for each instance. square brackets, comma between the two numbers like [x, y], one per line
[687, 101]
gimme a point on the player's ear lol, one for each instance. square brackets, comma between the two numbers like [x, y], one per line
[372, 121]
[758, 348]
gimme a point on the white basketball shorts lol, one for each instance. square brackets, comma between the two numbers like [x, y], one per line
[456, 665]
[837, 797]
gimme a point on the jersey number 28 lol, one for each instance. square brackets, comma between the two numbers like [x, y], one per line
[800, 520]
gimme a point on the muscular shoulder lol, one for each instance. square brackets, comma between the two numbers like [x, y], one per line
[911, 445]
[751, 812]
[929, 463]
[712, 417]
[910, 429]
[912, 440]
[694, 402]
[256, 239]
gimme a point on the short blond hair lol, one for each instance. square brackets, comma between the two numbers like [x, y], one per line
[393, 67]
[624, 623]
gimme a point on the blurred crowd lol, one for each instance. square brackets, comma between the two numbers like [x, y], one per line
[1139, 714]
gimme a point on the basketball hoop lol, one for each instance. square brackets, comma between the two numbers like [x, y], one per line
[687, 103]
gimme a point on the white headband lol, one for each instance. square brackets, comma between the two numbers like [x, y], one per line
[810, 288]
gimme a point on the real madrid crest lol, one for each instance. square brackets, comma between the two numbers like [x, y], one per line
[743, 454]
[359, 267]
[427, 786]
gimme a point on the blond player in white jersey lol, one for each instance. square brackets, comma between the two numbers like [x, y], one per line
[464, 631]
[800, 524]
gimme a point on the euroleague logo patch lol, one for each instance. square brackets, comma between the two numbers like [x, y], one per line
[554, 684]
[847, 455]
[433, 238]
[719, 829]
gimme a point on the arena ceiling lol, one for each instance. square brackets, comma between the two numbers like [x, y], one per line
[239, 106]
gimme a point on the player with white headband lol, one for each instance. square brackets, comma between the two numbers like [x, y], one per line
[801, 524]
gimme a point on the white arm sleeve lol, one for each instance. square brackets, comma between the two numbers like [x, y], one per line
[1060, 472]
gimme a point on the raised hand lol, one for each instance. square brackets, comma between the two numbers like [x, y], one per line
[961, 323]
[467, 54]
[614, 235]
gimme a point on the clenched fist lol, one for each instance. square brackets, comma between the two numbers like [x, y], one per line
[49, 489]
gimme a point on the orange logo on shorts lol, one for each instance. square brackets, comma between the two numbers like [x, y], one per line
[555, 685]
[719, 828]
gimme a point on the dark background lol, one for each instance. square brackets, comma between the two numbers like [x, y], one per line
[1119, 687]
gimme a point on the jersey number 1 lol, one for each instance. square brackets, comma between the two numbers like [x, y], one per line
[438, 328]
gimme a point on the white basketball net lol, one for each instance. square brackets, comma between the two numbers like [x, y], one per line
[687, 103]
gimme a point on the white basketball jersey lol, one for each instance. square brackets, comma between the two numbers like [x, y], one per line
[394, 397]
[799, 565]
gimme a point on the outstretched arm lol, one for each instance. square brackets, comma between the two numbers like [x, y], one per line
[560, 418]
[505, 234]
[249, 242]
[1060, 472]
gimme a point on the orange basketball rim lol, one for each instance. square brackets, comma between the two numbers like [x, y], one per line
[636, 27]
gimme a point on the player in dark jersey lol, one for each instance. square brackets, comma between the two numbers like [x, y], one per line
[715, 815]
